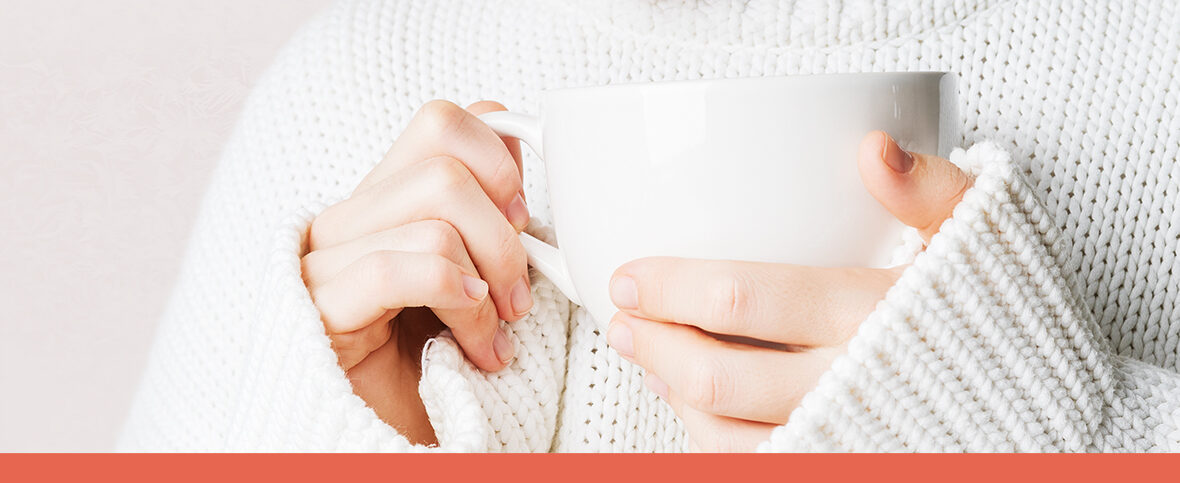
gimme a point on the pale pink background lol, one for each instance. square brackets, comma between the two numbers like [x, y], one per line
[112, 114]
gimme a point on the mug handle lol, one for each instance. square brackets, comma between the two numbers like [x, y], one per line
[546, 258]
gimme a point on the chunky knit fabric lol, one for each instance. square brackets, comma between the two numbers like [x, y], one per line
[1042, 317]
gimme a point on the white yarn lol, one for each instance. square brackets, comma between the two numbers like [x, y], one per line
[1042, 317]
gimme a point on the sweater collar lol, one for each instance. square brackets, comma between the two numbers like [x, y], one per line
[773, 23]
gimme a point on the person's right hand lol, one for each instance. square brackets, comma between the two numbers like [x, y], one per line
[428, 238]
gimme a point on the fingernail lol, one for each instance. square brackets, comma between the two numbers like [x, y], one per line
[521, 299]
[517, 212]
[623, 293]
[502, 344]
[656, 385]
[618, 335]
[896, 158]
[475, 288]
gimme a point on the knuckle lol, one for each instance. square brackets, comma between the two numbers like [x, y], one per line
[446, 173]
[485, 314]
[505, 176]
[319, 234]
[379, 269]
[437, 275]
[505, 181]
[509, 248]
[365, 340]
[437, 236]
[440, 117]
[352, 347]
[733, 303]
[486, 106]
[309, 267]
[709, 387]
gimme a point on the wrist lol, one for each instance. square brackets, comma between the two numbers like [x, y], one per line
[387, 380]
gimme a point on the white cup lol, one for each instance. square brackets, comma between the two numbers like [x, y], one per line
[758, 169]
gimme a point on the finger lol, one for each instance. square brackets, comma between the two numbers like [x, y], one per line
[710, 433]
[441, 128]
[788, 304]
[475, 328]
[919, 189]
[426, 236]
[513, 144]
[718, 377]
[353, 348]
[376, 284]
[441, 189]
[374, 288]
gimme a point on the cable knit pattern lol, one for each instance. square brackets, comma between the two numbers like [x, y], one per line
[1043, 316]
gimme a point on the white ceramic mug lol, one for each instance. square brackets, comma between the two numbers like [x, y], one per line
[758, 169]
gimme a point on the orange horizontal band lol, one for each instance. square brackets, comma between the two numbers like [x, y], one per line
[348, 468]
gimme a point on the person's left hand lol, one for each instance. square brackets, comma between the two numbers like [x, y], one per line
[731, 395]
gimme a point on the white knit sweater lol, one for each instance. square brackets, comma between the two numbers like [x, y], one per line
[1043, 316]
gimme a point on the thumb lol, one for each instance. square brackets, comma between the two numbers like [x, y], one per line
[921, 190]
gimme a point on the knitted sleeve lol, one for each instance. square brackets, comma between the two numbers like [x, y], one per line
[280, 387]
[298, 398]
[983, 345]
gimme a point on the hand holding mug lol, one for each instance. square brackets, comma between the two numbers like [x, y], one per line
[664, 179]
[731, 395]
[428, 239]
[753, 169]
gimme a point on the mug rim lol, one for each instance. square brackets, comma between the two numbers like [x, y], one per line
[743, 80]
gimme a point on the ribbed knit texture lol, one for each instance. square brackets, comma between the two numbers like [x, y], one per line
[1042, 317]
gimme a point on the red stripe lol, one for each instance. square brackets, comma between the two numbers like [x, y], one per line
[348, 468]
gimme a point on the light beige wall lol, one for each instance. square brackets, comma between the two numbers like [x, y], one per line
[112, 114]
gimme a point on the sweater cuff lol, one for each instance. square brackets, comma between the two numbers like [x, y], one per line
[298, 398]
[980, 346]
